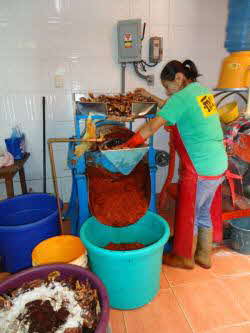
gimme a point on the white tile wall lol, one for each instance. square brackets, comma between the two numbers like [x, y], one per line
[160, 12]
[198, 12]
[77, 40]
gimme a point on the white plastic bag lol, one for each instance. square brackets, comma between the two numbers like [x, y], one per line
[6, 160]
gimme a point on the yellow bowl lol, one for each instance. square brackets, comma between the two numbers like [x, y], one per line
[58, 249]
[229, 112]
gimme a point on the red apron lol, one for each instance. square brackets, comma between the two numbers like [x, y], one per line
[186, 203]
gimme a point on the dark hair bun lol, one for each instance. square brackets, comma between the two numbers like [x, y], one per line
[190, 69]
[173, 67]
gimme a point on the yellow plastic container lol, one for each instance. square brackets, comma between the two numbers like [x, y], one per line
[60, 249]
[235, 71]
[229, 112]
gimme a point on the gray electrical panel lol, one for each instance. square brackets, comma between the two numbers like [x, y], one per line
[129, 40]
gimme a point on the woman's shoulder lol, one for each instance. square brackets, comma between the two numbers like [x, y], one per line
[195, 88]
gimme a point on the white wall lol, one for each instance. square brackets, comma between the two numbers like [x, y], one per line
[77, 39]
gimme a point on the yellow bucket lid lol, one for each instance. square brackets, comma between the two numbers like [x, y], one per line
[229, 112]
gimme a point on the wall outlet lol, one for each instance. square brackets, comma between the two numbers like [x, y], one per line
[59, 81]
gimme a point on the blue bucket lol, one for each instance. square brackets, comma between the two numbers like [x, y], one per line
[16, 146]
[240, 234]
[132, 278]
[25, 221]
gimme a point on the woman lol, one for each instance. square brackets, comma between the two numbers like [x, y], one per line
[198, 139]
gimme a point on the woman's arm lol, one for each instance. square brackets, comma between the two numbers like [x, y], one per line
[149, 129]
[145, 93]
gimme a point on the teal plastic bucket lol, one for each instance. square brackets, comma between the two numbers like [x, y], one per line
[132, 278]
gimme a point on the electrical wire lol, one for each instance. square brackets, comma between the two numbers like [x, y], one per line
[149, 65]
[142, 76]
[143, 68]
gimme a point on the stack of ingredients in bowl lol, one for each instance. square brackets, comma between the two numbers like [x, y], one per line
[50, 305]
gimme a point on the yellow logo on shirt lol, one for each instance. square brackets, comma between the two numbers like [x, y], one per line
[207, 104]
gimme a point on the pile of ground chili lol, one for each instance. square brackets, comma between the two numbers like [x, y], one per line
[115, 199]
[118, 200]
[124, 246]
[43, 318]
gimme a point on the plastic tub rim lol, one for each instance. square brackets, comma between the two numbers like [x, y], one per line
[238, 228]
[27, 225]
[54, 238]
[89, 275]
[138, 252]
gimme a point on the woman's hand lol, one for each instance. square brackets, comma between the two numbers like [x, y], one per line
[142, 92]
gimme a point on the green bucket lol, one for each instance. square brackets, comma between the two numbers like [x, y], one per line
[132, 278]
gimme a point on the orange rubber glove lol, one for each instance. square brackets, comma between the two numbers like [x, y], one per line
[135, 141]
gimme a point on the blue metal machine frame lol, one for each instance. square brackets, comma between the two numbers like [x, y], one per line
[78, 210]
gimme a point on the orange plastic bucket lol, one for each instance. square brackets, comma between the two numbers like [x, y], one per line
[60, 249]
[235, 71]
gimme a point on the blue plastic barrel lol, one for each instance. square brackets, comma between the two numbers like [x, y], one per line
[25, 221]
[238, 26]
[132, 278]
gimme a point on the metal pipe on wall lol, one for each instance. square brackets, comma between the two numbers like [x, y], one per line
[53, 168]
[123, 89]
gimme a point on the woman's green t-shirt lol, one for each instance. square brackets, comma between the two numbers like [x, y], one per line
[194, 111]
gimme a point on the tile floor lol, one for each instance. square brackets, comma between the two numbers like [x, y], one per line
[196, 301]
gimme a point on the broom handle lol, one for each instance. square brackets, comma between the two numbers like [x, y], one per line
[53, 171]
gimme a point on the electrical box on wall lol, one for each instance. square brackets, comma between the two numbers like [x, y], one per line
[155, 49]
[129, 40]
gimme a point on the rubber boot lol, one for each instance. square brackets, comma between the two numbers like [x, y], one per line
[204, 248]
[181, 262]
